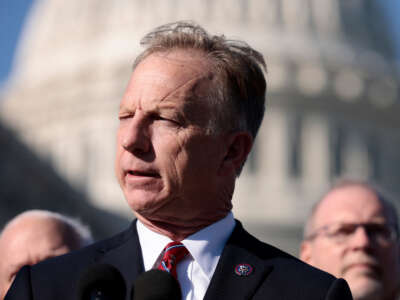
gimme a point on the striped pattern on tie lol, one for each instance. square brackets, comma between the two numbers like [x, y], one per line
[173, 253]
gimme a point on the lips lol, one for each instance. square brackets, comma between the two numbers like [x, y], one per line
[139, 173]
[372, 267]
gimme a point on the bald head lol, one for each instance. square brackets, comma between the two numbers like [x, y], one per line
[34, 236]
[345, 192]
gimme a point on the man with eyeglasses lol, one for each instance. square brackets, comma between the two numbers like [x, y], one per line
[352, 233]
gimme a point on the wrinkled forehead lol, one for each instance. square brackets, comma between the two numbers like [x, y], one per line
[177, 78]
[354, 204]
[182, 61]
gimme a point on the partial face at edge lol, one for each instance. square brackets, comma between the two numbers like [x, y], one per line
[368, 267]
[27, 243]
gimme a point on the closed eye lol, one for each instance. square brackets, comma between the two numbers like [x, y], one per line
[345, 229]
[125, 116]
[161, 118]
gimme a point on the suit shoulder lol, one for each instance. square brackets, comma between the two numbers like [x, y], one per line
[274, 274]
[291, 278]
[56, 278]
[291, 266]
[285, 268]
[88, 253]
[65, 270]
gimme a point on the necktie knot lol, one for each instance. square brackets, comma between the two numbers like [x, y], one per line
[173, 253]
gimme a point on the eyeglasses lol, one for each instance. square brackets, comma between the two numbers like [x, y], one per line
[382, 234]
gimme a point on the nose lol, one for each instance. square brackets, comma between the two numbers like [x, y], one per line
[360, 238]
[135, 135]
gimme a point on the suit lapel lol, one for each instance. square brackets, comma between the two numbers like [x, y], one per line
[125, 255]
[238, 259]
[240, 250]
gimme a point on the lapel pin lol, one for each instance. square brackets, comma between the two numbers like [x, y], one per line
[243, 269]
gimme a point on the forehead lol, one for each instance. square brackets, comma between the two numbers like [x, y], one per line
[161, 74]
[177, 62]
[350, 204]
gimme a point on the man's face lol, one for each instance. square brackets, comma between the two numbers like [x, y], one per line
[167, 165]
[370, 266]
[27, 243]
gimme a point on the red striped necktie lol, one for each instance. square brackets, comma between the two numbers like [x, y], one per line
[173, 253]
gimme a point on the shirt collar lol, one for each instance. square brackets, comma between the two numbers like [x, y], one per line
[205, 246]
[151, 243]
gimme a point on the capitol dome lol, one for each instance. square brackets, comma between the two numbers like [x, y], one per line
[333, 96]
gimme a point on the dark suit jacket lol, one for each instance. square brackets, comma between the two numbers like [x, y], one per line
[276, 275]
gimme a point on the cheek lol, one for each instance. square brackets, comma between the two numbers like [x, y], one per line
[177, 163]
[4, 288]
[168, 145]
[185, 165]
[170, 157]
[117, 162]
[391, 260]
[117, 151]
[328, 258]
[5, 283]
[188, 160]
[117, 169]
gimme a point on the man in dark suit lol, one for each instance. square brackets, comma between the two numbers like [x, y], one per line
[188, 120]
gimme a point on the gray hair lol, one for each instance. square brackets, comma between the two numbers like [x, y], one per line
[78, 234]
[383, 197]
[239, 85]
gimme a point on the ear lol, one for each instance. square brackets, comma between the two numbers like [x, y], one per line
[305, 252]
[238, 147]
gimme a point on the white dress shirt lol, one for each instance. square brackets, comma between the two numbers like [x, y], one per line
[196, 269]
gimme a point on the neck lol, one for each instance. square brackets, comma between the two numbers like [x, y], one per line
[176, 232]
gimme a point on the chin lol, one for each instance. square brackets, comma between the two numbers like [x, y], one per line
[142, 202]
[366, 288]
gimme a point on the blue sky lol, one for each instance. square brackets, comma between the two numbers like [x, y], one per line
[392, 10]
[13, 13]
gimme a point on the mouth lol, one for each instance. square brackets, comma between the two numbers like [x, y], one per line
[143, 173]
[368, 267]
